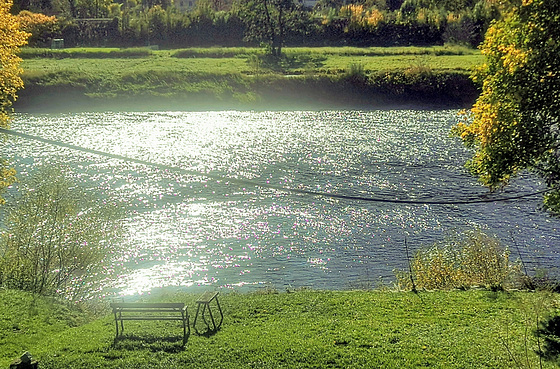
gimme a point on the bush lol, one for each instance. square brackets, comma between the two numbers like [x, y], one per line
[41, 27]
[356, 73]
[549, 331]
[473, 259]
[56, 236]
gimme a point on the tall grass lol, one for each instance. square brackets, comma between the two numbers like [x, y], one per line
[473, 259]
[383, 51]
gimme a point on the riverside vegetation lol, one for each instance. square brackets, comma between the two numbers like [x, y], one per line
[248, 78]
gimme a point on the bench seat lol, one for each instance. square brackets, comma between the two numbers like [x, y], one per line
[151, 311]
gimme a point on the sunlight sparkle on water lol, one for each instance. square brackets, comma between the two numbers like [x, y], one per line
[185, 230]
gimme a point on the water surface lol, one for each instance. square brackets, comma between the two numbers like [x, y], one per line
[189, 230]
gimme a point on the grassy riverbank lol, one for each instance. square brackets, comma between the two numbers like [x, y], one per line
[302, 329]
[241, 77]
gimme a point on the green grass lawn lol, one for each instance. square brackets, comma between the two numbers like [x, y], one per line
[381, 63]
[302, 329]
[117, 67]
[235, 61]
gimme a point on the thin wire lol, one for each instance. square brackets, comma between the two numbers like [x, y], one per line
[248, 183]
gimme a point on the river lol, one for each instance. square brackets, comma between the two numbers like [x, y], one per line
[189, 231]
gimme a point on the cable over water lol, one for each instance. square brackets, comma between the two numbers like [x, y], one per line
[482, 198]
[242, 199]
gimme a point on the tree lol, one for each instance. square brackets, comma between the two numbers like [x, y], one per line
[11, 39]
[40, 27]
[515, 123]
[56, 236]
[267, 21]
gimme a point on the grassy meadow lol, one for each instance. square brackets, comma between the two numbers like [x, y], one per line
[220, 61]
[247, 76]
[301, 329]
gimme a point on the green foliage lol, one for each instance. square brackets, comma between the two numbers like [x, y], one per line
[268, 22]
[549, 331]
[356, 73]
[275, 23]
[472, 260]
[514, 123]
[55, 237]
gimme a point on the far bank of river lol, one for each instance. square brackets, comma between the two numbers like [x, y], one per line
[243, 79]
[390, 90]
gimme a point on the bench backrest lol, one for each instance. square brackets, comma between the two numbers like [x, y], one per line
[147, 306]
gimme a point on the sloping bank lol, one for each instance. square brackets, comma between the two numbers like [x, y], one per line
[301, 329]
[157, 90]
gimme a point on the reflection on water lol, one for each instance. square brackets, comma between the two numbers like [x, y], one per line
[187, 230]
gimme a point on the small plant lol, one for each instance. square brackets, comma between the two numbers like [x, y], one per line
[421, 67]
[356, 73]
[473, 259]
[549, 331]
[56, 236]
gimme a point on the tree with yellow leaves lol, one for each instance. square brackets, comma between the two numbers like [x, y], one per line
[11, 39]
[515, 123]
[41, 27]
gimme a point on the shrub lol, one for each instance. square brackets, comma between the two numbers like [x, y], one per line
[56, 236]
[549, 331]
[472, 259]
[41, 27]
[356, 73]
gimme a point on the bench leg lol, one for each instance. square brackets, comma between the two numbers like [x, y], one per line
[221, 313]
[117, 318]
[206, 305]
[211, 317]
[117, 324]
[196, 316]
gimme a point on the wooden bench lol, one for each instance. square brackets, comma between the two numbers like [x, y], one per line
[151, 311]
[205, 301]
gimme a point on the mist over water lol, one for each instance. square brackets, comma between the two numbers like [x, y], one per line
[187, 230]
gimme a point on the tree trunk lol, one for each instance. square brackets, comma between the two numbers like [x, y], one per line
[280, 38]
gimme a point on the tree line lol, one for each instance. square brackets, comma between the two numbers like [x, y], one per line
[269, 23]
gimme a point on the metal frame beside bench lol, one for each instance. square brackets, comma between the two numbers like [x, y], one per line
[151, 311]
[205, 301]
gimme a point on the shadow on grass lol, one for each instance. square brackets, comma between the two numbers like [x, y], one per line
[173, 344]
[208, 332]
[292, 62]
